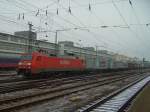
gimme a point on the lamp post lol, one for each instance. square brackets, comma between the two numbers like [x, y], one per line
[80, 45]
[30, 38]
[56, 37]
[56, 33]
[97, 56]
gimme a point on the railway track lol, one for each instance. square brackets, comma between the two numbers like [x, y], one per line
[22, 85]
[29, 84]
[13, 72]
[118, 100]
[35, 98]
[11, 79]
[19, 79]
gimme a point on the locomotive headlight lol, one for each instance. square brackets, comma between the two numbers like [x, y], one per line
[20, 63]
[28, 63]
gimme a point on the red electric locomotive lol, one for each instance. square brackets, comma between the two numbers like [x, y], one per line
[36, 63]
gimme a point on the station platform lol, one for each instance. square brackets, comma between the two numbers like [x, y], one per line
[142, 101]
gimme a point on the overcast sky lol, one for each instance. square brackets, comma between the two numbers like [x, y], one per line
[127, 30]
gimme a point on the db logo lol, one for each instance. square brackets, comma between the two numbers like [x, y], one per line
[64, 62]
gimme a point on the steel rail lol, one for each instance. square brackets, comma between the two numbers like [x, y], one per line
[18, 103]
[117, 101]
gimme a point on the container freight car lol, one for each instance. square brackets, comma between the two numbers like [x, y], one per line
[120, 65]
[146, 64]
[103, 62]
[133, 65]
[38, 63]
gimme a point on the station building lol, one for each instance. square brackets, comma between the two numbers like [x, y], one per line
[19, 43]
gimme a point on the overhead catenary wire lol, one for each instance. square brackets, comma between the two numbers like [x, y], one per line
[38, 12]
[78, 23]
[93, 35]
[134, 33]
[54, 2]
[137, 18]
[62, 27]
[84, 25]
[100, 21]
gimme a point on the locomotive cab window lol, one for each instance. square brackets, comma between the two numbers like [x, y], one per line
[26, 57]
[83, 61]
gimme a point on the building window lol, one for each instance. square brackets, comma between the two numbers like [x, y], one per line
[14, 39]
[3, 37]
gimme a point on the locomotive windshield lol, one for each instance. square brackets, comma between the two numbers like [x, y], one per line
[26, 57]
